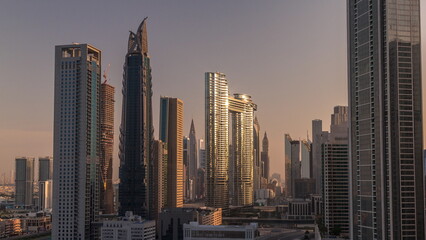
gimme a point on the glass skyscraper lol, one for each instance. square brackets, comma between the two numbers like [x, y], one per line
[217, 143]
[241, 108]
[136, 131]
[385, 103]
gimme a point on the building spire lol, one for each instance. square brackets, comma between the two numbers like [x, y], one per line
[138, 42]
[192, 130]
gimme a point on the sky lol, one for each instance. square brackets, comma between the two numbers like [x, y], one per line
[289, 55]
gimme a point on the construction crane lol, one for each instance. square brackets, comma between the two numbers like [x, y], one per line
[105, 75]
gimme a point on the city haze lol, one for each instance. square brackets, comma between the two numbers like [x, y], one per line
[290, 56]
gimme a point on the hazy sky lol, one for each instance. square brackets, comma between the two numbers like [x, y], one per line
[290, 56]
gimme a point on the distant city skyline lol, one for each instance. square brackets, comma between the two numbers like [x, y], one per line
[290, 56]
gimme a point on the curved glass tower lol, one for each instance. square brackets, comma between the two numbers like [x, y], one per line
[217, 143]
[136, 132]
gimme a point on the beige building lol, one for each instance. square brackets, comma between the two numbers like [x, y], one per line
[159, 178]
[241, 109]
[107, 145]
[171, 133]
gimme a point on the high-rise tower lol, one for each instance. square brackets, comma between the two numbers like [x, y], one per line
[257, 164]
[317, 140]
[386, 135]
[24, 181]
[107, 145]
[76, 141]
[192, 160]
[45, 175]
[217, 143]
[241, 108]
[335, 173]
[136, 131]
[171, 133]
[265, 156]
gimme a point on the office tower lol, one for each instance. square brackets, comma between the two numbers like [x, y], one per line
[202, 153]
[44, 195]
[201, 183]
[241, 109]
[297, 155]
[107, 145]
[192, 160]
[24, 181]
[257, 166]
[304, 187]
[295, 163]
[335, 172]
[45, 168]
[265, 156]
[287, 165]
[316, 153]
[45, 175]
[76, 141]
[186, 180]
[136, 131]
[385, 104]
[217, 143]
[171, 133]
[159, 178]
[305, 159]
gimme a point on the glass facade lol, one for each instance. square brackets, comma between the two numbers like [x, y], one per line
[386, 119]
[136, 131]
[217, 143]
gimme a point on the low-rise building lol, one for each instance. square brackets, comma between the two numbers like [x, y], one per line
[172, 220]
[130, 227]
[209, 216]
[36, 222]
[299, 209]
[195, 231]
[10, 227]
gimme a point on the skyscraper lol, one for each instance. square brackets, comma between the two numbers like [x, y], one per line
[136, 131]
[305, 159]
[24, 181]
[335, 172]
[45, 175]
[316, 153]
[171, 133]
[76, 141]
[186, 180]
[192, 160]
[217, 143]
[287, 165]
[257, 166]
[241, 108]
[159, 177]
[265, 156]
[385, 119]
[45, 168]
[202, 153]
[107, 145]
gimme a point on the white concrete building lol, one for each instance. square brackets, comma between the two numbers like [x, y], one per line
[128, 228]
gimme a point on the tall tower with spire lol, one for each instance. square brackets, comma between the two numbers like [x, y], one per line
[192, 164]
[136, 131]
[265, 156]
